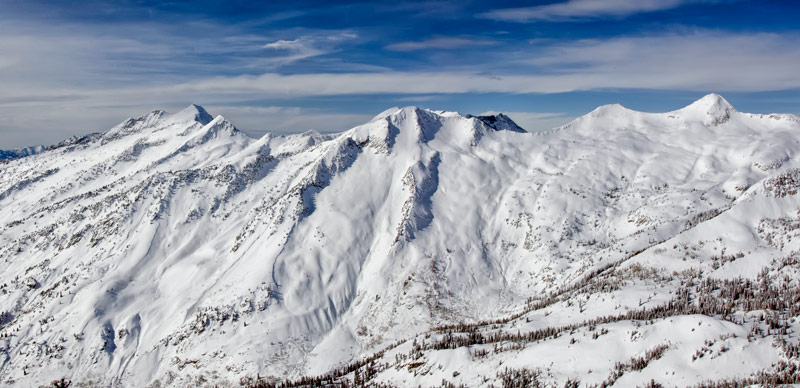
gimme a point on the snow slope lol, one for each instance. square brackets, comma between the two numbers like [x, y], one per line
[174, 250]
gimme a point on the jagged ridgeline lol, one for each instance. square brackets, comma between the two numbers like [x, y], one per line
[423, 248]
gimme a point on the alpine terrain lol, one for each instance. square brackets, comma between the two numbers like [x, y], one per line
[423, 248]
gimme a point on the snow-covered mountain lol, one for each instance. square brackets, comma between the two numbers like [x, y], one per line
[421, 248]
[21, 152]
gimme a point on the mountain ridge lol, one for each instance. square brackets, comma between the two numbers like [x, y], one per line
[197, 113]
[175, 250]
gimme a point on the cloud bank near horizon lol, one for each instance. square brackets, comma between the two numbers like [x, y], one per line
[279, 70]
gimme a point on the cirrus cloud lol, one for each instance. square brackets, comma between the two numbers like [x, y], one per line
[440, 43]
[582, 9]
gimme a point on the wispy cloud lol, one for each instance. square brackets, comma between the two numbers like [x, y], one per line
[417, 98]
[64, 79]
[60, 80]
[698, 61]
[307, 46]
[583, 9]
[442, 43]
[293, 45]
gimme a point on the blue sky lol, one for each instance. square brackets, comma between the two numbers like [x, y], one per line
[69, 68]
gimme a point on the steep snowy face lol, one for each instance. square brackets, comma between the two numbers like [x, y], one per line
[141, 243]
[174, 249]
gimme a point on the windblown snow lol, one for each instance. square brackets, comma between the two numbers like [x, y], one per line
[422, 246]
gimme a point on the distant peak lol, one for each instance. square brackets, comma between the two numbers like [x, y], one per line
[21, 152]
[608, 108]
[193, 112]
[493, 120]
[712, 109]
[711, 103]
[499, 122]
[411, 109]
[404, 110]
[386, 113]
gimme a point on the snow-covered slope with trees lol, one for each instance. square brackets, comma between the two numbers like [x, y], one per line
[421, 248]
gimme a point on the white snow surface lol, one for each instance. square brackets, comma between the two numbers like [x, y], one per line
[174, 250]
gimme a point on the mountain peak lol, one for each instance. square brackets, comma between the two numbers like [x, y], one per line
[711, 102]
[499, 122]
[194, 112]
[712, 109]
[609, 110]
[395, 110]
[386, 113]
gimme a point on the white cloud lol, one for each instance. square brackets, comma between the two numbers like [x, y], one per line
[297, 50]
[418, 98]
[699, 61]
[342, 36]
[443, 43]
[583, 9]
[72, 84]
[295, 44]
[306, 46]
